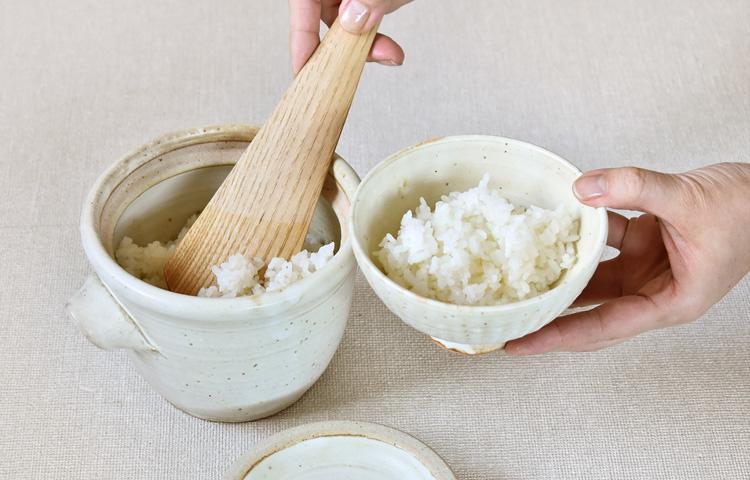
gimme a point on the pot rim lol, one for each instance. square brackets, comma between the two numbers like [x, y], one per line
[364, 259]
[118, 172]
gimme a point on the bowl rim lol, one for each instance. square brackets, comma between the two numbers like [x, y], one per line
[118, 172]
[365, 258]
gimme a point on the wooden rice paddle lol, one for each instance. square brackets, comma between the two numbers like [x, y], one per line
[265, 206]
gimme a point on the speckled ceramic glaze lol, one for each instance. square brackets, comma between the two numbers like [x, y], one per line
[527, 175]
[220, 359]
[340, 450]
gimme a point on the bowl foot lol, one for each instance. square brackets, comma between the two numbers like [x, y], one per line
[466, 349]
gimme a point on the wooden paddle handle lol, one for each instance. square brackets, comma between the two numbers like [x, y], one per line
[265, 206]
[340, 49]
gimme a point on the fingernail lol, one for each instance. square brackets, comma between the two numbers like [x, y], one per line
[355, 16]
[389, 63]
[590, 187]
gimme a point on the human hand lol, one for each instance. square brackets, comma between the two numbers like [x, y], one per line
[675, 262]
[357, 16]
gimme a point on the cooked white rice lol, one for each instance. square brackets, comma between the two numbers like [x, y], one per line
[477, 248]
[236, 277]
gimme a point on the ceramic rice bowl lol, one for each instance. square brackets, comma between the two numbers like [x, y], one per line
[528, 175]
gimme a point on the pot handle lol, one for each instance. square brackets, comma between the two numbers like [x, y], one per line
[101, 318]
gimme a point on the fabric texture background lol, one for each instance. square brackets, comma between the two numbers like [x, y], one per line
[663, 84]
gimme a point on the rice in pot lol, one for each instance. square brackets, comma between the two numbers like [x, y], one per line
[238, 276]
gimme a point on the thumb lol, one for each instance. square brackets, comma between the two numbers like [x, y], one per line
[628, 188]
[359, 16]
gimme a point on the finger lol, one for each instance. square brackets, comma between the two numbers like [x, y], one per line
[304, 35]
[329, 12]
[630, 189]
[618, 227]
[386, 51]
[592, 347]
[605, 284]
[618, 319]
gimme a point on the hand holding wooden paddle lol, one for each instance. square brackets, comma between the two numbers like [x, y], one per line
[264, 207]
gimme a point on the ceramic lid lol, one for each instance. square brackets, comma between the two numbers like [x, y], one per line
[340, 450]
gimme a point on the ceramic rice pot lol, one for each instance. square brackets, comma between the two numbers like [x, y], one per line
[528, 175]
[229, 360]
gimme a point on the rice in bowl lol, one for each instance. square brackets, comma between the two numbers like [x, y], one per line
[477, 248]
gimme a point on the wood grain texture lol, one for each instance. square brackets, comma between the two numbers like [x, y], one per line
[265, 205]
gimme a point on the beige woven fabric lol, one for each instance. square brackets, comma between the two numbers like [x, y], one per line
[659, 83]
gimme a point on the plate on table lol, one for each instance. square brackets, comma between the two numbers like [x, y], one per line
[343, 451]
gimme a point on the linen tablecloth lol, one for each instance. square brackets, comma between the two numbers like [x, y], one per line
[663, 84]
